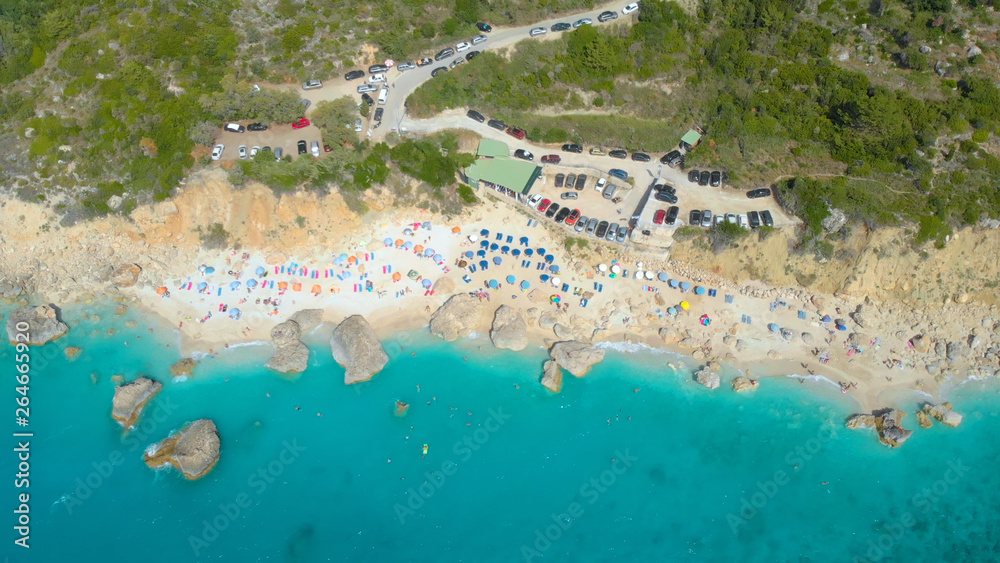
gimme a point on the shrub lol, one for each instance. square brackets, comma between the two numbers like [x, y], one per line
[214, 237]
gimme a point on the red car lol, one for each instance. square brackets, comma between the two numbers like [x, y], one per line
[544, 205]
[659, 216]
[327, 148]
[573, 216]
[301, 123]
[551, 159]
[516, 133]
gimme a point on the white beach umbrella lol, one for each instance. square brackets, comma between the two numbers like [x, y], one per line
[473, 238]
[616, 269]
[649, 275]
[603, 267]
[556, 282]
[638, 274]
[638, 265]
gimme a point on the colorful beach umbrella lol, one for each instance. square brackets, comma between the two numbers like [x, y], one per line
[426, 283]
[685, 305]
[234, 285]
[525, 284]
[555, 298]
[497, 260]
[162, 290]
[202, 286]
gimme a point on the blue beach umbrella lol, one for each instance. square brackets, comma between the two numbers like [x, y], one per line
[426, 282]
[407, 231]
[550, 258]
[481, 253]
[505, 249]
[525, 284]
[699, 290]
[826, 318]
[554, 269]
[673, 283]
[429, 252]
[494, 247]
[516, 252]
[426, 225]
[437, 258]
[493, 284]
[234, 285]
[511, 279]
[484, 264]
[773, 327]
[343, 257]
[338, 261]
[485, 244]
[251, 283]
[672, 310]
[529, 252]
[260, 271]
[408, 244]
[497, 260]
[541, 251]
[469, 254]
[662, 277]
[544, 277]
[387, 242]
[202, 286]
[234, 313]
[209, 270]
[685, 286]
[484, 233]
[524, 240]
[345, 275]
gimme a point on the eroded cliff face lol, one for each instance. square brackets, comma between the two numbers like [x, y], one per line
[880, 264]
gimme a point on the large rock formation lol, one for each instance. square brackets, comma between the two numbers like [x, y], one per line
[943, 414]
[575, 357]
[131, 398]
[458, 317]
[182, 367]
[290, 354]
[886, 423]
[308, 319]
[194, 450]
[39, 323]
[708, 377]
[125, 275]
[356, 347]
[745, 384]
[509, 331]
[552, 376]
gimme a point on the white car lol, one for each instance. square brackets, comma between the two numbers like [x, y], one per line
[357, 125]
[731, 218]
[534, 200]
[254, 151]
[741, 220]
[243, 151]
[463, 46]
[478, 39]
[376, 78]
[630, 8]
[217, 152]
[536, 31]
[719, 219]
[601, 182]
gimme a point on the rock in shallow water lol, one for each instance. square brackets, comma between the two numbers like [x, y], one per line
[290, 354]
[886, 423]
[38, 325]
[745, 384]
[356, 347]
[510, 331]
[575, 357]
[458, 317]
[183, 367]
[194, 450]
[943, 414]
[131, 398]
[708, 378]
[552, 376]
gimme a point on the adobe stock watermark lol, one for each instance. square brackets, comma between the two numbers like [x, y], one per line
[141, 435]
[258, 481]
[764, 491]
[590, 491]
[464, 449]
[922, 502]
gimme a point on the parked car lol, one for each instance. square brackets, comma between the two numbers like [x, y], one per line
[758, 193]
[716, 179]
[582, 21]
[471, 55]
[383, 96]
[672, 215]
[622, 235]
[609, 191]
[407, 65]
[754, 219]
[601, 182]
[618, 173]
[235, 128]
[378, 114]
[704, 178]
[254, 150]
[731, 218]
[376, 69]
[672, 158]
[463, 46]
[659, 216]
[571, 181]
[551, 159]
[560, 178]
[765, 217]
[497, 124]
[439, 70]
[358, 125]
[302, 147]
[569, 195]
[444, 54]
[534, 200]
[561, 26]
[242, 151]
[544, 204]
[664, 188]
[456, 62]
[354, 75]
[217, 151]
[563, 214]
[592, 225]
[278, 153]
[629, 8]
[368, 100]
[572, 147]
[618, 153]
[424, 62]
[581, 224]
[376, 79]
[706, 218]
[602, 229]
[552, 210]
[256, 127]
[695, 218]
[596, 152]
[741, 220]
[693, 175]
[365, 88]
[516, 133]
[523, 155]
[581, 181]
[573, 216]
[314, 148]
[327, 148]
[478, 39]
[612, 231]
[607, 16]
[476, 116]
[536, 31]
[719, 219]
[312, 84]
[484, 27]
[640, 157]
[666, 196]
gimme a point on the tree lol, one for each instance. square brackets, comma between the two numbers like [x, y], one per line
[335, 119]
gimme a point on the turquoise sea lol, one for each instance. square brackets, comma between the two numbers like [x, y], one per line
[635, 462]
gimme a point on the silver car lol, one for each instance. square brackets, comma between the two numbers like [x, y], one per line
[365, 88]
[612, 231]
[278, 153]
[622, 235]
[706, 218]
[609, 191]
[478, 39]
[406, 66]
[581, 224]
[592, 225]
[312, 84]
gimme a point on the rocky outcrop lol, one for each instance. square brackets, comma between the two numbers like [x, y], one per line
[182, 368]
[943, 414]
[38, 324]
[552, 376]
[510, 331]
[193, 451]
[920, 343]
[356, 347]
[575, 357]
[125, 275]
[741, 384]
[308, 319]
[708, 378]
[886, 422]
[458, 317]
[924, 420]
[72, 352]
[131, 398]
[290, 354]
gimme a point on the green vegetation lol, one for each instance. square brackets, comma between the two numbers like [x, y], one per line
[215, 236]
[726, 235]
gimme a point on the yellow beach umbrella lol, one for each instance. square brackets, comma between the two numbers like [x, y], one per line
[685, 305]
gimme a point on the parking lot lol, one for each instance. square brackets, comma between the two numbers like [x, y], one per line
[276, 136]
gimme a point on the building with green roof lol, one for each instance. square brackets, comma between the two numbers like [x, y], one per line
[495, 166]
[690, 139]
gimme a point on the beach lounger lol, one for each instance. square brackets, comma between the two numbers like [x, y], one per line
[712, 293]
[802, 314]
[499, 236]
[729, 299]
[584, 302]
[565, 287]
[510, 239]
